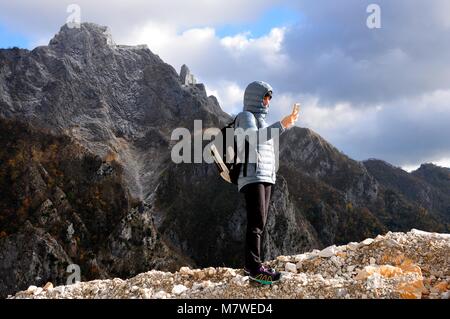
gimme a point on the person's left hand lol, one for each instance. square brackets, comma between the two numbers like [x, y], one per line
[290, 120]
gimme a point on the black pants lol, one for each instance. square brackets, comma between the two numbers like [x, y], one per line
[257, 198]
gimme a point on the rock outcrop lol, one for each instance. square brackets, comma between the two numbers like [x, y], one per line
[186, 77]
[397, 265]
[62, 205]
[113, 99]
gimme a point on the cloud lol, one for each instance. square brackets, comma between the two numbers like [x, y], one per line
[42, 18]
[406, 132]
[336, 57]
[444, 162]
[226, 65]
[228, 93]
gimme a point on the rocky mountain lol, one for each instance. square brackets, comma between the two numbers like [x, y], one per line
[427, 188]
[87, 178]
[397, 265]
[437, 176]
[113, 99]
[62, 205]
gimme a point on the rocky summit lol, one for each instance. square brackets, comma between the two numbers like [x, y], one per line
[409, 265]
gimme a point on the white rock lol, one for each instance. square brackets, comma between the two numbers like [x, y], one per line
[320, 277]
[367, 241]
[211, 271]
[197, 286]
[351, 268]
[390, 243]
[38, 291]
[299, 265]
[160, 295]
[291, 267]
[328, 252]
[239, 280]
[31, 289]
[352, 246]
[299, 258]
[207, 284]
[147, 293]
[48, 286]
[179, 289]
[60, 289]
[420, 232]
[445, 295]
[374, 281]
[302, 277]
[372, 261]
[186, 271]
[337, 261]
[283, 258]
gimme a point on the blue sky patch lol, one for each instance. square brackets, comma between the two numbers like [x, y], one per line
[271, 18]
[9, 39]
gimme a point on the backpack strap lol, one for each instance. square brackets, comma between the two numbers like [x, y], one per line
[232, 124]
[247, 147]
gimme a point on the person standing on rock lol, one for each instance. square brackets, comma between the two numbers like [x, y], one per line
[257, 177]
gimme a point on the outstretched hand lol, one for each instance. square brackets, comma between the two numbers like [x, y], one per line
[290, 120]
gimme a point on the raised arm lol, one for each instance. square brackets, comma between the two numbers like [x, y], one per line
[247, 122]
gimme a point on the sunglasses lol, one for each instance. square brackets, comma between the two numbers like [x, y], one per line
[268, 95]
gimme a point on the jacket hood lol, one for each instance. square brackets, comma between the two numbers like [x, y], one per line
[253, 97]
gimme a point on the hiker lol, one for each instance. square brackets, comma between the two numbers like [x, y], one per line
[256, 182]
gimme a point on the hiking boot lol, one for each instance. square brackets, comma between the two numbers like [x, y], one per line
[264, 275]
[247, 270]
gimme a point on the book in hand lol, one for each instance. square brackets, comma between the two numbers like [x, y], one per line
[223, 169]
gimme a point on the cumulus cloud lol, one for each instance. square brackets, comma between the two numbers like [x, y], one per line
[228, 93]
[339, 59]
[43, 17]
[406, 133]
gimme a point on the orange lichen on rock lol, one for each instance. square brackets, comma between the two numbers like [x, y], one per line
[407, 287]
[440, 287]
[386, 271]
[411, 290]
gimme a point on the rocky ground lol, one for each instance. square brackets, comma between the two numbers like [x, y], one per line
[397, 265]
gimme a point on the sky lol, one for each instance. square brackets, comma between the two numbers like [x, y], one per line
[379, 92]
